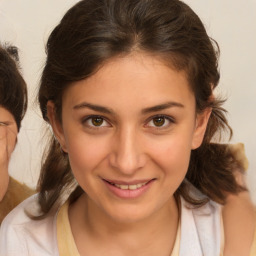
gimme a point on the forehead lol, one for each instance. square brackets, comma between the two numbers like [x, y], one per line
[138, 78]
[5, 115]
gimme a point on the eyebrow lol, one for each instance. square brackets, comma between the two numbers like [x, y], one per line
[94, 107]
[162, 107]
[106, 110]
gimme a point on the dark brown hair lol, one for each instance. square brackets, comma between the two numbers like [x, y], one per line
[13, 89]
[92, 32]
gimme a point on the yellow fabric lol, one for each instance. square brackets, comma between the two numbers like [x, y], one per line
[15, 194]
[222, 237]
[176, 248]
[66, 243]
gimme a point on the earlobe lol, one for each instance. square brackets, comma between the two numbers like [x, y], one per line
[56, 125]
[201, 125]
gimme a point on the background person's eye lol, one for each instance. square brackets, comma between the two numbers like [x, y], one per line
[3, 123]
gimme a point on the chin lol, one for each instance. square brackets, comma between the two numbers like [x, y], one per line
[129, 214]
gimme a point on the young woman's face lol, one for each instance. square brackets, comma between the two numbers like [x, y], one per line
[128, 131]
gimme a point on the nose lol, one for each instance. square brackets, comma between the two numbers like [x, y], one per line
[127, 154]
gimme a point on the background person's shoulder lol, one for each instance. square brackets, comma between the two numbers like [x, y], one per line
[16, 193]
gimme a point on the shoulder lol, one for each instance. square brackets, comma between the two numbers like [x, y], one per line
[253, 248]
[13, 227]
[15, 194]
[18, 215]
[20, 235]
[19, 190]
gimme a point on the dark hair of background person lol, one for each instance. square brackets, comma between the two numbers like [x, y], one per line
[94, 31]
[13, 89]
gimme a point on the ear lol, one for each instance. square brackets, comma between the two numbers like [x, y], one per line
[56, 125]
[201, 125]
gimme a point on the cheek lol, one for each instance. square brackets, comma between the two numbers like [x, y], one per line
[173, 161]
[172, 154]
[85, 153]
[175, 157]
[11, 140]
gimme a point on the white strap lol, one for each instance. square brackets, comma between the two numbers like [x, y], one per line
[200, 230]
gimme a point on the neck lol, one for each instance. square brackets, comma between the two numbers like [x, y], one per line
[125, 238]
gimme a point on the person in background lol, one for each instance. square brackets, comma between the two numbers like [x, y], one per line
[13, 105]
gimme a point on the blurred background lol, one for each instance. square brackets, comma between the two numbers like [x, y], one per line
[28, 23]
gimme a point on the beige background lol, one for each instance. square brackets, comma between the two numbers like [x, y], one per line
[27, 24]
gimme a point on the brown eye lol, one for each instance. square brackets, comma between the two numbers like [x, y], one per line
[97, 121]
[158, 121]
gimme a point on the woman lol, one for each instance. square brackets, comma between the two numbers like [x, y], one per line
[13, 105]
[128, 91]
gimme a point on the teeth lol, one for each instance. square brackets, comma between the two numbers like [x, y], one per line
[124, 186]
[130, 187]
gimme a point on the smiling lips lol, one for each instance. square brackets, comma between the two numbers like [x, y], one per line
[128, 189]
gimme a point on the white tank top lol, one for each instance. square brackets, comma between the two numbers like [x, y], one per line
[201, 228]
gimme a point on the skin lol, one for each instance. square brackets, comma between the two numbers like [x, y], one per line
[239, 221]
[8, 136]
[238, 212]
[129, 145]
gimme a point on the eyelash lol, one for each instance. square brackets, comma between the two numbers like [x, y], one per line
[88, 119]
[4, 124]
[165, 118]
[169, 119]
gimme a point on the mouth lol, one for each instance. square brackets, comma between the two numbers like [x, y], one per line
[129, 190]
[132, 186]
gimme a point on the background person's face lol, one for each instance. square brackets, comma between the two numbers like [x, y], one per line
[129, 130]
[8, 136]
